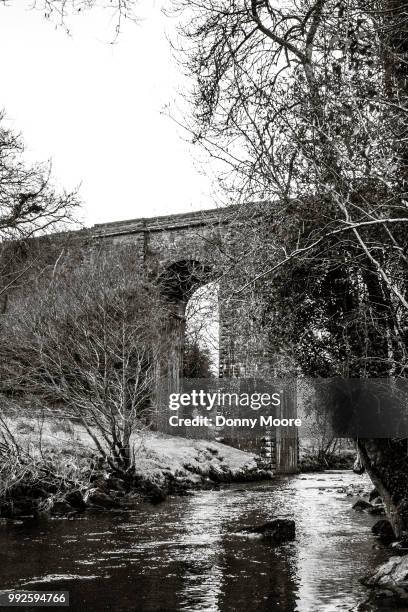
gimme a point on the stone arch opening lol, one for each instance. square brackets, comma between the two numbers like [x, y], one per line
[179, 281]
[202, 332]
[182, 278]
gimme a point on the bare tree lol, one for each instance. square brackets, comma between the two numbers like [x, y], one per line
[60, 11]
[28, 202]
[89, 339]
[29, 206]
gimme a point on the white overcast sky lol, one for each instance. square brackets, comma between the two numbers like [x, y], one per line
[94, 109]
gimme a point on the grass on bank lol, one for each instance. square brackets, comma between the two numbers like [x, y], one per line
[62, 449]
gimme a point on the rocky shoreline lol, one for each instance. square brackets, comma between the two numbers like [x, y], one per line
[102, 489]
[388, 582]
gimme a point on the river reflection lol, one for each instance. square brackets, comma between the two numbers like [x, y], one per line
[187, 554]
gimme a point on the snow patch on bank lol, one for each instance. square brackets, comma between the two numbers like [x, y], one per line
[158, 455]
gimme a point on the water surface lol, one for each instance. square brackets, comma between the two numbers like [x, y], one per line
[187, 555]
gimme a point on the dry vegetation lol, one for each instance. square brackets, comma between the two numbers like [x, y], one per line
[47, 463]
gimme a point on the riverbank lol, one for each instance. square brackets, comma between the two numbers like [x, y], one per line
[311, 460]
[54, 468]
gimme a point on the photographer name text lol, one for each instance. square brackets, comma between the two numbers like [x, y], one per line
[222, 421]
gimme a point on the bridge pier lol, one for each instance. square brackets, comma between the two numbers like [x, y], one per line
[175, 338]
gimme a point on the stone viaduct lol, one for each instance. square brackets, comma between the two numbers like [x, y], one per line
[179, 249]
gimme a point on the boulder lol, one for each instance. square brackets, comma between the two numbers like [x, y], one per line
[60, 507]
[373, 495]
[97, 497]
[156, 494]
[358, 467]
[391, 576]
[362, 505]
[75, 499]
[276, 531]
[383, 530]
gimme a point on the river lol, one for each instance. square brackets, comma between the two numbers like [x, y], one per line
[187, 555]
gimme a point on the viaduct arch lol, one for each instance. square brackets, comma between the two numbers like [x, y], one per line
[178, 249]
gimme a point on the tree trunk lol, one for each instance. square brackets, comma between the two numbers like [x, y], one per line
[386, 463]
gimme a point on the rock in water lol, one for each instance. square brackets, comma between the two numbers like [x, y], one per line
[373, 495]
[97, 497]
[358, 467]
[75, 499]
[60, 507]
[392, 576]
[362, 505]
[156, 494]
[276, 531]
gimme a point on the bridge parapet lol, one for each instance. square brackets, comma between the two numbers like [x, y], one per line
[201, 218]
